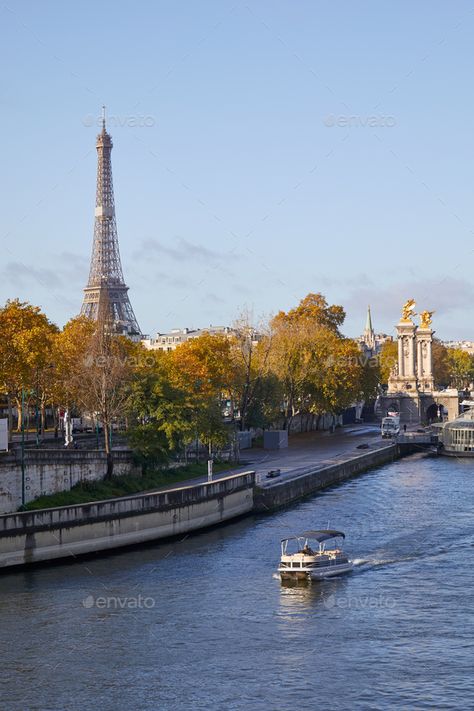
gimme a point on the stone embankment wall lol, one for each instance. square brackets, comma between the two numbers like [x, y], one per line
[309, 481]
[68, 531]
[51, 471]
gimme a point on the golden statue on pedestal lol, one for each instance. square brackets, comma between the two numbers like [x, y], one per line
[425, 319]
[408, 310]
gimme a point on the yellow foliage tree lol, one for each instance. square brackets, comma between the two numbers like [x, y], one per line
[201, 371]
[388, 359]
[70, 349]
[26, 345]
[321, 371]
[460, 367]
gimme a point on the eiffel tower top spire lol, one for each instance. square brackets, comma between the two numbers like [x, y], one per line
[105, 273]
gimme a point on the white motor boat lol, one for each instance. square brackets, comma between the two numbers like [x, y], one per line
[305, 563]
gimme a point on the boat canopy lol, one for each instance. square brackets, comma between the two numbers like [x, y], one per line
[319, 536]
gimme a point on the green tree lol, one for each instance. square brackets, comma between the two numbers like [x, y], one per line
[155, 405]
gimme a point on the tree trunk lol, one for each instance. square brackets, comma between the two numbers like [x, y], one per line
[110, 466]
[10, 417]
[19, 414]
[55, 422]
[110, 461]
[43, 416]
[27, 420]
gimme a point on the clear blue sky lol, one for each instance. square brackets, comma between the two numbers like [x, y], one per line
[262, 150]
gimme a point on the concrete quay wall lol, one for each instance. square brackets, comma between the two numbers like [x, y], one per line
[284, 492]
[51, 471]
[69, 531]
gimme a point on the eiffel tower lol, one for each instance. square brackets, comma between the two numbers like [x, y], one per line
[106, 282]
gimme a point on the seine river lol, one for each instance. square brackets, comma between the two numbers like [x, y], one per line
[205, 623]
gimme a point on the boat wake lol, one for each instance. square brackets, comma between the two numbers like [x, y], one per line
[360, 561]
[363, 565]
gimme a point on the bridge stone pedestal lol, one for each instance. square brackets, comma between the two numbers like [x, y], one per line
[411, 384]
[424, 359]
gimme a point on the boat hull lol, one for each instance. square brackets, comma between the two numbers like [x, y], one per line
[330, 571]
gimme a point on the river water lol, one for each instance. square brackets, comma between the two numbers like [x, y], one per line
[205, 623]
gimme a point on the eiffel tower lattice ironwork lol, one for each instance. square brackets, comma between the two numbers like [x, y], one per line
[106, 280]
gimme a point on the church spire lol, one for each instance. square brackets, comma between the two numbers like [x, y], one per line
[368, 323]
[369, 333]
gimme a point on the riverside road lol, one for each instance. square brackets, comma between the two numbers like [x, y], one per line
[304, 450]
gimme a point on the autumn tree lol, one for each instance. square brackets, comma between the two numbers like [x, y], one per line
[319, 369]
[388, 358]
[339, 374]
[370, 377]
[201, 371]
[441, 368]
[25, 355]
[290, 362]
[460, 367]
[103, 374]
[249, 382]
[315, 309]
[69, 355]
